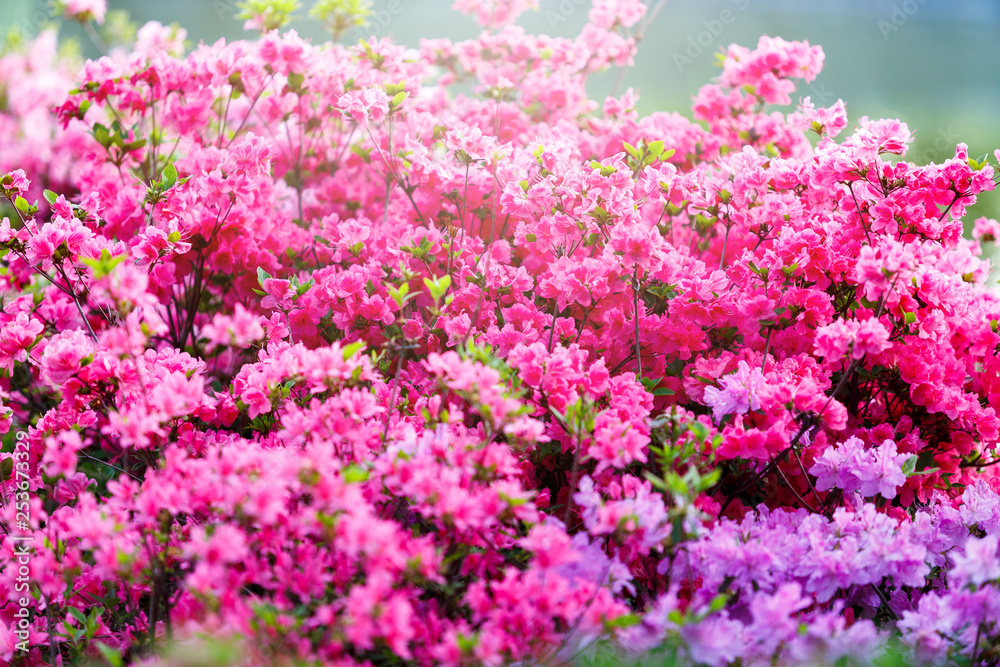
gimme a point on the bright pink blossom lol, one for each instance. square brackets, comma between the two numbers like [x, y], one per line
[739, 393]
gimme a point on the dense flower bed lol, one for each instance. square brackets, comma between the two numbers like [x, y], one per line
[366, 355]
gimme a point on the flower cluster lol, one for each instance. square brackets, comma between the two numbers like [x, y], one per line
[360, 355]
[850, 468]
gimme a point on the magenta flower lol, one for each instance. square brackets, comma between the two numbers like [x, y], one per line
[851, 467]
[981, 506]
[85, 10]
[279, 294]
[980, 561]
[475, 473]
[64, 355]
[739, 393]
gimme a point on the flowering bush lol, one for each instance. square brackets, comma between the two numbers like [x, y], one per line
[307, 351]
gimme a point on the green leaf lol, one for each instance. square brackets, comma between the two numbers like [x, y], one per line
[395, 88]
[699, 430]
[467, 644]
[398, 294]
[77, 614]
[50, 196]
[438, 287]
[711, 479]
[398, 99]
[677, 533]
[351, 349]
[103, 265]
[102, 135]
[304, 287]
[623, 621]
[657, 483]
[363, 153]
[718, 602]
[354, 474]
[169, 176]
[676, 484]
[663, 391]
[295, 81]
[262, 275]
[112, 656]
[6, 469]
[870, 305]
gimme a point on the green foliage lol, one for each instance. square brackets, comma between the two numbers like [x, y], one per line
[339, 16]
[437, 287]
[270, 14]
[104, 265]
[682, 457]
[646, 154]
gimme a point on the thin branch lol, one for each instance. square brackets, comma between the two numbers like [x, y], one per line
[635, 303]
[110, 465]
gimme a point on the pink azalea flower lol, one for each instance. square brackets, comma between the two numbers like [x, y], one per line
[739, 393]
[85, 10]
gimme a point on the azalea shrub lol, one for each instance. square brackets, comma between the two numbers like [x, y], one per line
[359, 354]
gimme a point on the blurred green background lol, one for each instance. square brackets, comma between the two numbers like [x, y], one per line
[933, 63]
